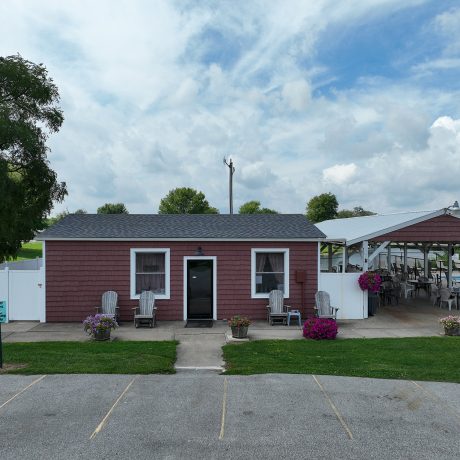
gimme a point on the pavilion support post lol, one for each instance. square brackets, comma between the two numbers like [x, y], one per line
[346, 257]
[426, 250]
[405, 260]
[449, 266]
[365, 256]
[389, 256]
[329, 257]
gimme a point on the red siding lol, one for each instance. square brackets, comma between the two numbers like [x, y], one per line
[442, 229]
[78, 272]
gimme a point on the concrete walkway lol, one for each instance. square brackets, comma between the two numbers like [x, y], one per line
[201, 348]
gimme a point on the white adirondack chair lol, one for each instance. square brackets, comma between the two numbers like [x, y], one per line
[323, 306]
[146, 310]
[109, 305]
[276, 310]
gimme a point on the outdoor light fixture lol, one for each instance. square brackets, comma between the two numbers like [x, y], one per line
[199, 251]
[454, 209]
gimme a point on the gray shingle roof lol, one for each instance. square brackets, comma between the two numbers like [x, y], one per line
[183, 226]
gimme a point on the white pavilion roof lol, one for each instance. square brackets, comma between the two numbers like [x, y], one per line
[356, 229]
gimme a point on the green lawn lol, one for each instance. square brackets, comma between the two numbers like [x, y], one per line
[91, 357]
[30, 251]
[425, 358]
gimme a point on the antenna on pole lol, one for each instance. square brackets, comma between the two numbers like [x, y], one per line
[230, 182]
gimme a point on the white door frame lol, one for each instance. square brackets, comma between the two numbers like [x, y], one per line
[214, 283]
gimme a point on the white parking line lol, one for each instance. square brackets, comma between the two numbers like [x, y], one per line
[101, 425]
[336, 411]
[22, 391]
[224, 410]
[436, 398]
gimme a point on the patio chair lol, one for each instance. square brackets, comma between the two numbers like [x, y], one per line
[146, 311]
[407, 289]
[276, 310]
[109, 305]
[435, 295]
[446, 297]
[323, 307]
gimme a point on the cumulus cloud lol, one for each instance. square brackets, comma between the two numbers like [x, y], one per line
[155, 96]
[339, 174]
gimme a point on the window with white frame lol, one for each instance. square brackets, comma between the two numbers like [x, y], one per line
[150, 272]
[270, 270]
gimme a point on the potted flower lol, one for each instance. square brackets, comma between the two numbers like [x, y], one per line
[371, 282]
[99, 326]
[451, 325]
[239, 325]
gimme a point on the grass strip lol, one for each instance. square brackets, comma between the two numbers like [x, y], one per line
[30, 251]
[419, 358]
[91, 357]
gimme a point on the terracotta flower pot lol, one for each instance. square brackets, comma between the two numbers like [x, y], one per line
[239, 332]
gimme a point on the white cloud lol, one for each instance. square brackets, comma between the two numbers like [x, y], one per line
[296, 94]
[339, 174]
[154, 97]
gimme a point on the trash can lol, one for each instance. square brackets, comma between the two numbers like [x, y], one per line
[372, 304]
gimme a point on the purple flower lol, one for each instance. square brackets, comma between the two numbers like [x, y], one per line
[98, 322]
[370, 281]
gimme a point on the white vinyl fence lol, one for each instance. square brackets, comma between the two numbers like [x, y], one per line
[24, 293]
[345, 294]
[29, 264]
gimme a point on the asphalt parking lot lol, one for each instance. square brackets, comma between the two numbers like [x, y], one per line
[192, 415]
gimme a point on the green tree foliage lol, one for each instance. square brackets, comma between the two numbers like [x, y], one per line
[357, 211]
[29, 112]
[253, 207]
[54, 220]
[112, 208]
[185, 200]
[322, 207]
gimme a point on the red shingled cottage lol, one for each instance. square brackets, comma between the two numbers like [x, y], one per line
[199, 266]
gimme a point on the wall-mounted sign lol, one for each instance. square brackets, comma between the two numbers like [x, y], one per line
[2, 311]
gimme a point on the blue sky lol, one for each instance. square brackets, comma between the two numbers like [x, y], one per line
[359, 98]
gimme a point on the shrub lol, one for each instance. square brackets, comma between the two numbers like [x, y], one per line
[450, 322]
[320, 328]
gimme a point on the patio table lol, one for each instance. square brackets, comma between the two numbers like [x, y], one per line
[425, 285]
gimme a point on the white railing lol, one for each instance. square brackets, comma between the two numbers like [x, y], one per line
[345, 294]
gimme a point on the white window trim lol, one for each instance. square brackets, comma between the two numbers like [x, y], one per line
[254, 251]
[166, 252]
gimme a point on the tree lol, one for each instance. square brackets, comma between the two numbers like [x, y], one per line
[253, 207]
[54, 220]
[322, 207]
[357, 211]
[29, 112]
[112, 208]
[185, 200]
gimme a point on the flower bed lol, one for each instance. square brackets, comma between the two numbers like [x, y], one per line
[320, 329]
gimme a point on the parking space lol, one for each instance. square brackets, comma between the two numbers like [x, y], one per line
[196, 415]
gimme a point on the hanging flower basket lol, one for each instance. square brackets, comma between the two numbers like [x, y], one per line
[370, 281]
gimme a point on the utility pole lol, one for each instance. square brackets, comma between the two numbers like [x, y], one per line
[230, 182]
